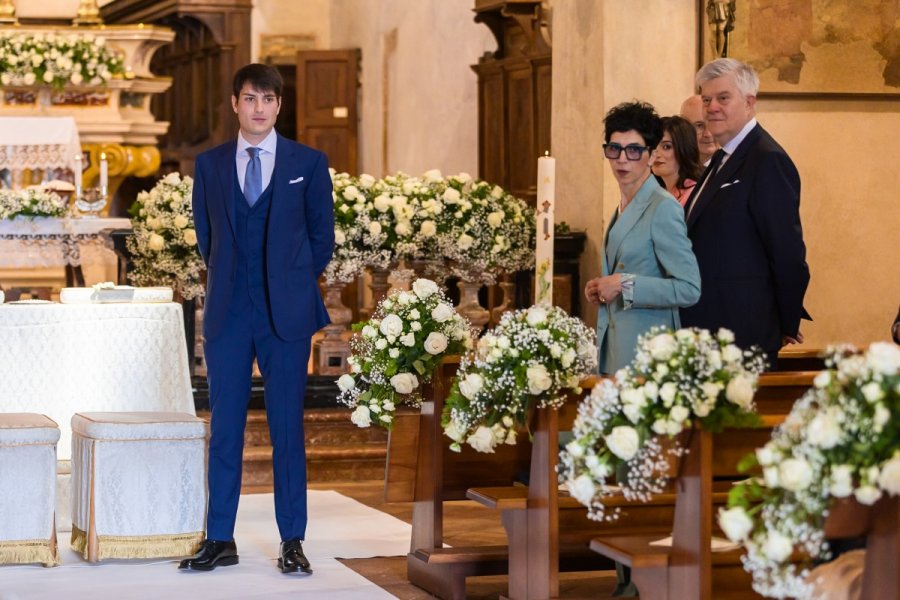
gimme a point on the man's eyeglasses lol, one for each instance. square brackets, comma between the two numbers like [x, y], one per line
[632, 151]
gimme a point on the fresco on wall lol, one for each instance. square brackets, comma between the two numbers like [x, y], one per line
[816, 46]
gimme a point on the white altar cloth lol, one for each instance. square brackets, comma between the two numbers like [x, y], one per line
[38, 143]
[47, 242]
[58, 359]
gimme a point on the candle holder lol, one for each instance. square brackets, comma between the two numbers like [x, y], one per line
[91, 202]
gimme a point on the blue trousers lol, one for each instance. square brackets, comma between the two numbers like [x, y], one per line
[283, 366]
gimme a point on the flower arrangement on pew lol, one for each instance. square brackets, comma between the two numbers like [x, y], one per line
[397, 349]
[31, 203]
[164, 244]
[841, 441]
[676, 379]
[532, 358]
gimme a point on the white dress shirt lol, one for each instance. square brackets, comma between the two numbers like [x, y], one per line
[266, 158]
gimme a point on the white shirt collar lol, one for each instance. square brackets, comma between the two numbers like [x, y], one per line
[731, 146]
[267, 145]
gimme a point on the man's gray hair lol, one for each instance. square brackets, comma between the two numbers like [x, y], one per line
[745, 77]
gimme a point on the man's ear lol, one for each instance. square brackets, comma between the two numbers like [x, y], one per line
[234, 103]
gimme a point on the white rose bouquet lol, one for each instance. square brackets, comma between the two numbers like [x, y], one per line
[31, 203]
[676, 379]
[164, 244]
[397, 350]
[841, 440]
[533, 357]
[57, 60]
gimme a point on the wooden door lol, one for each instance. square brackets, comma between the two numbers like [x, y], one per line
[327, 116]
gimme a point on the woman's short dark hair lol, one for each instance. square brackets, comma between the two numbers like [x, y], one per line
[684, 142]
[264, 78]
[639, 116]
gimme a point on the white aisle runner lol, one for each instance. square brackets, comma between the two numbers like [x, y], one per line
[339, 527]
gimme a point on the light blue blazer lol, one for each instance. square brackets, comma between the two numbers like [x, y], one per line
[648, 240]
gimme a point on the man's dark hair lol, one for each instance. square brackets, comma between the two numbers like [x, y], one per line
[684, 142]
[639, 116]
[264, 78]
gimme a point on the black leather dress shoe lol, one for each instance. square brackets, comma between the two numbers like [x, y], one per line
[292, 558]
[212, 554]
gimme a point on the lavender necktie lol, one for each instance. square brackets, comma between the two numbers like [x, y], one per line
[253, 177]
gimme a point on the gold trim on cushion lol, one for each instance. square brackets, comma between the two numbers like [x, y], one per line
[30, 551]
[137, 546]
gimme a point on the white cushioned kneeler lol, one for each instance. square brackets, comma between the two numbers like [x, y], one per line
[28, 489]
[139, 484]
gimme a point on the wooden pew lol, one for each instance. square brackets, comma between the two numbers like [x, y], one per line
[792, 358]
[547, 530]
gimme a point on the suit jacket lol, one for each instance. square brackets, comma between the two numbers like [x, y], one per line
[649, 240]
[299, 235]
[745, 228]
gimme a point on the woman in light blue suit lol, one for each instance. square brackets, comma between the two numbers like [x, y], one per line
[649, 270]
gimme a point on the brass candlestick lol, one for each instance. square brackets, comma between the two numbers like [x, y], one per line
[8, 13]
[88, 13]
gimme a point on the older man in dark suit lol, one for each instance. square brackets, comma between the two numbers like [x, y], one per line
[265, 227]
[744, 221]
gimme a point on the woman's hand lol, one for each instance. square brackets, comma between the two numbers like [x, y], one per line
[602, 290]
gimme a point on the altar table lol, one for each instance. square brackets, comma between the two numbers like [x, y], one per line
[59, 359]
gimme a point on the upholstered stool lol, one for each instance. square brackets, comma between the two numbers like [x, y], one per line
[28, 489]
[138, 484]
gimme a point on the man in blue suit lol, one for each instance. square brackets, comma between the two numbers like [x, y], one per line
[743, 219]
[264, 216]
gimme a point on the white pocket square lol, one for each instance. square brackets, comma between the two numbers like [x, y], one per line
[725, 185]
[298, 180]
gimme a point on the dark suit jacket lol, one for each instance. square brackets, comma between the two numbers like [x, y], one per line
[746, 233]
[895, 331]
[299, 237]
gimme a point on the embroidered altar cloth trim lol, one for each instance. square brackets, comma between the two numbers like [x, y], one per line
[38, 142]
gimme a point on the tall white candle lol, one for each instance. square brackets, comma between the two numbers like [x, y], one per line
[77, 176]
[546, 199]
[104, 174]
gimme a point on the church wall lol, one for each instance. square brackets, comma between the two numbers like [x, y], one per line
[845, 151]
[310, 17]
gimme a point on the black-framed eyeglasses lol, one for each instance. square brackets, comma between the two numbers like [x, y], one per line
[632, 151]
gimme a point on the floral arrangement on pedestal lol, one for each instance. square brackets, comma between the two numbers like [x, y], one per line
[31, 203]
[677, 379]
[841, 440]
[57, 60]
[398, 349]
[533, 358]
[164, 244]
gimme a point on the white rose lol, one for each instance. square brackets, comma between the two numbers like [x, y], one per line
[867, 494]
[369, 331]
[156, 242]
[651, 390]
[29, 78]
[777, 547]
[710, 390]
[667, 393]
[339, 237]
[382, 203]
[575, 449]
[495, 219]
[404, 383]
[632, 396]
[679, 413]
[403, 228]
[735, 523]
[623, 441]
[366, 180]
[346, 382]
[824, 430]
[731, 353]
[470, 385]
[391, 325]
[582, 489]
[725, 335]
[408, 340]
[889, 479]
[465, 241]
[872, 392]
[482, 440]
[536, 315]
[428, 228]
[374, 228]
[770, 476]
[382, 343]
[659, 426]
[662, 346]
[632, 412]
[740, 391]
[767, 455]
[539, 379]
[361, 417]
[76, 78]
[822, 379]
[881, 417]
[567, 358]
[884, 358]
[423, 288]
[48, 76]
[454, 431]
[451, 196]
[795, 474]
[181, 221]
[435, 343]
[190, 237]
[442, 313]
[433, 175]
[350, 192]
[841, 481]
